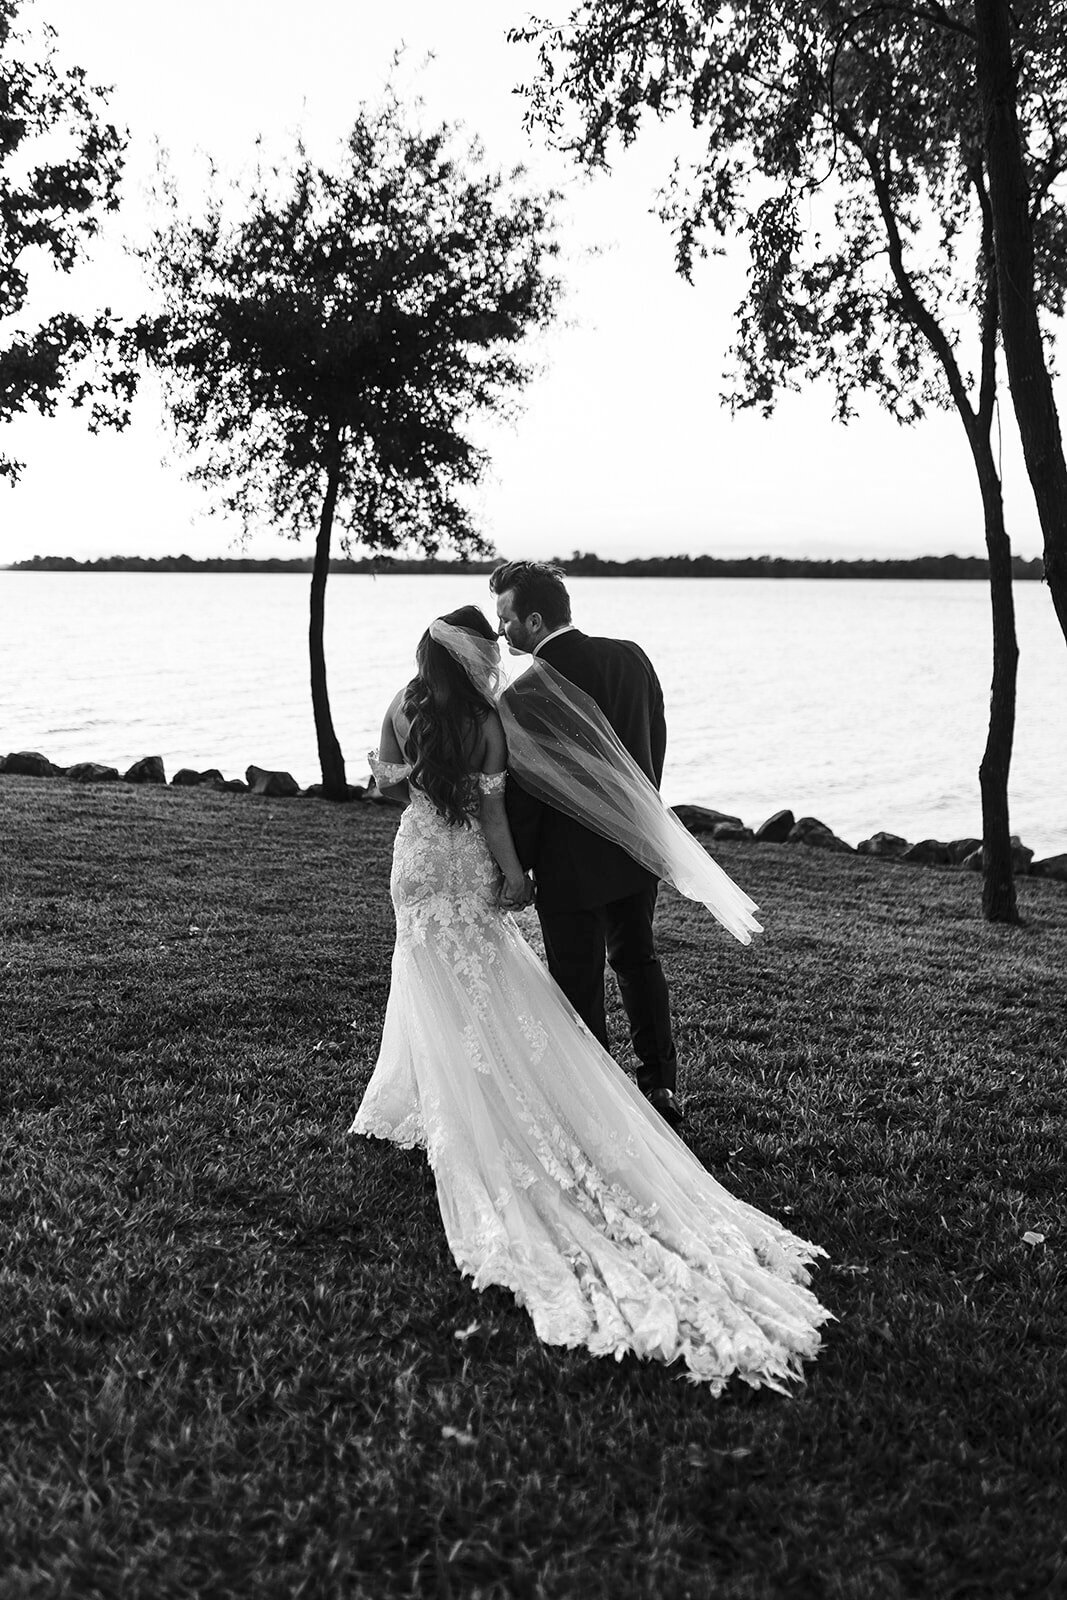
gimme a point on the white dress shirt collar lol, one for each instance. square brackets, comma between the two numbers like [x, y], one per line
[568, 627]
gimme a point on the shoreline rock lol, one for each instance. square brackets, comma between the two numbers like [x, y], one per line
[189, 778]
[776, 829]
[274, 784]
[148, 770]
[30, 764]
[1021, 857]
[92, 772]
[720, 826]
[817, 836]
[927, 853]
[353, 791]
[890, 845]
[731, 830]
[704, 819]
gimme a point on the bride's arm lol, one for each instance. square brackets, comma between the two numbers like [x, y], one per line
[493, 815]
[390, 751]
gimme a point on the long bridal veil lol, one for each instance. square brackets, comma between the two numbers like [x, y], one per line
[563, 750]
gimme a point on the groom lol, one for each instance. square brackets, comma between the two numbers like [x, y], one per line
[594, 900]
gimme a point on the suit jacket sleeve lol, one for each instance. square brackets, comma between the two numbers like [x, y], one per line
[657, 731]
[525, 815]
[657, 721]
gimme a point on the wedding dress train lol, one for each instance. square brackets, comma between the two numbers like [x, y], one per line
[556, 1179]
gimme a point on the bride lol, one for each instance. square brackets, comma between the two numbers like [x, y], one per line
[556, 1178]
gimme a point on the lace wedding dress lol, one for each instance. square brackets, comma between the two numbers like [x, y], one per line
[556, 1178]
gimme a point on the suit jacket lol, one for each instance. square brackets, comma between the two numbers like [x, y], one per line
[575, 868]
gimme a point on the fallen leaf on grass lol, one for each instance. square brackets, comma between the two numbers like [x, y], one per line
[465, 1333]
[460, 1436]
[1033, 1238]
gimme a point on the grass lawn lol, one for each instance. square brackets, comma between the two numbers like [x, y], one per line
[236, 1358]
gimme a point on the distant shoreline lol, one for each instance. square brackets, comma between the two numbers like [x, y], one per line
[580, 565]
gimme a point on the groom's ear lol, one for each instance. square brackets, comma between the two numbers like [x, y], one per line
[535, 621]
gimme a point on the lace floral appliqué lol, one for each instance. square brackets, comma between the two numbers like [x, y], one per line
[555, 1177]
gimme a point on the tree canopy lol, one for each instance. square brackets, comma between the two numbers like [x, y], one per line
[810, 118]
[846, 144]
[327, 336]
[60, 163]
[359, 317]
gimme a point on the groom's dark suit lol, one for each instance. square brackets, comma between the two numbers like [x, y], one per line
[594, 900]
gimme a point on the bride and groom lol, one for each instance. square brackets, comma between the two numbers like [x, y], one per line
[557, 1177]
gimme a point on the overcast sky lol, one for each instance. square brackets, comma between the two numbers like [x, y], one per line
[623, 446]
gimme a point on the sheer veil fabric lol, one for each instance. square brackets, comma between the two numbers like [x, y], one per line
[563, 750]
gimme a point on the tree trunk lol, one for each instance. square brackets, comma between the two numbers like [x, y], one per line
[998, 892]
[1024, 353]
[332, 762]
[998, 888]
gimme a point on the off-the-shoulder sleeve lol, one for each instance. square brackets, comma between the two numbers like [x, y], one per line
[387, 772]
[492, 782]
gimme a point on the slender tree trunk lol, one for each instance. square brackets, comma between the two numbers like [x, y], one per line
[1024, 352]
[998, 887]
[332, 762]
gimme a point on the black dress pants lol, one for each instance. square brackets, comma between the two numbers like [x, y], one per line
[577, 943]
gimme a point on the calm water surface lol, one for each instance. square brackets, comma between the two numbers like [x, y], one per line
[863, 703]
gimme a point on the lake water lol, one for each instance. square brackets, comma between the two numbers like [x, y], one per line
[863, 703]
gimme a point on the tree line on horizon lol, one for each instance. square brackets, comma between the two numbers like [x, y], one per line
[326, 335]
[583, 564]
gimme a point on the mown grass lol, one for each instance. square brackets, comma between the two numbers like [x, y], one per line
[236, 1358]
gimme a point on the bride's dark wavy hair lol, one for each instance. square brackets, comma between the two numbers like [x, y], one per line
[446, 713]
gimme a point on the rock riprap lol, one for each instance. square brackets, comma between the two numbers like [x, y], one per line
[31, 764]
[278, 785]
[817, 836]
[733, 830]
[777, 828]
[189, 778]
[927, 853]
[889, 845]
[148, 770]
[92, 772]
[718, 826]
[353, 791]
[703, 819]
[1021, 857]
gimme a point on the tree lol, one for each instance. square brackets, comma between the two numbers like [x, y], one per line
[323, 351]
[861, 116]
[60, 163]
[1022, 62]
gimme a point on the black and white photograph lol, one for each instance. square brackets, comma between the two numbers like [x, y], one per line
[533, 800]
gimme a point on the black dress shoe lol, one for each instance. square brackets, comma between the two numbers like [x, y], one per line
[668, 1106]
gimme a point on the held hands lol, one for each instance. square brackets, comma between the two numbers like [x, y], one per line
[516, 892]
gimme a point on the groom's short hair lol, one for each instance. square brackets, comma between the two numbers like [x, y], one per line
[536, 587]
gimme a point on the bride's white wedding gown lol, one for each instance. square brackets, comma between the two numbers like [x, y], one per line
[556, 1178]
